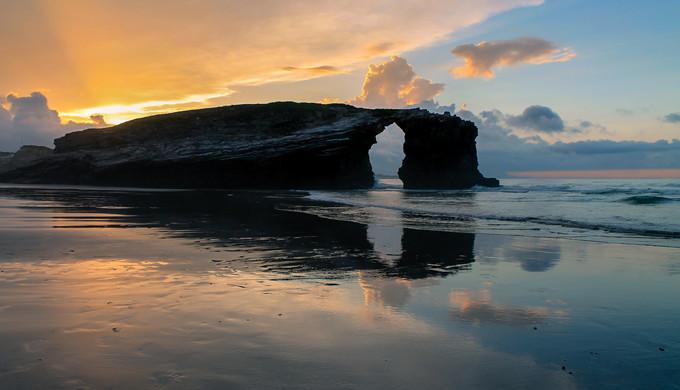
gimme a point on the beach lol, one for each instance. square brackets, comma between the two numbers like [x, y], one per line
[129, 288]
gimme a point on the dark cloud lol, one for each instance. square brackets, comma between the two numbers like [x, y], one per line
[672, 117]
[537, 118]
[98, 119]
[501, 151]
[28, 120]
[481, 58]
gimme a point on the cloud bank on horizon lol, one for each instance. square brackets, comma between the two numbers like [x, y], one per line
[503, 150]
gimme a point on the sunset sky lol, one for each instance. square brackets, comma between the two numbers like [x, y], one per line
[576, 84]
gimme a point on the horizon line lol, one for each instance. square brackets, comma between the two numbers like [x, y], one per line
[660, 173]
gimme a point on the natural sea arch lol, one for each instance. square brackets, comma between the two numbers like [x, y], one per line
[387, 154]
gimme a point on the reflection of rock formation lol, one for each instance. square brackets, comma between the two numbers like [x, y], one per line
[430, 253]
[276, 145]
[412, 257]
[283, 241]
[425, 255]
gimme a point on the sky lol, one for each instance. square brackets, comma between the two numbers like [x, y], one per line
[552, 85]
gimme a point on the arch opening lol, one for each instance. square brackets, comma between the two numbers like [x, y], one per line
[387, 155]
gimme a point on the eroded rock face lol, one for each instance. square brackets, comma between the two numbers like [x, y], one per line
[24, 157]
[277, 145]
[4, 158]
[440, 152]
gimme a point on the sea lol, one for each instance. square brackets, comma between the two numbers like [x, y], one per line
[537, 284]
[605, 210]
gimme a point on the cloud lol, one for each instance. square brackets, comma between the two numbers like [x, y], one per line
[433, 106]
[537, 118]
[98, 119]
[614, 147]
[672, 118]
[481, 58]
[314, 70]
[394, 84]
[381, 48]
[624, 111]
[236, 43]
[28, 120]
[478, 307]
[501, 150]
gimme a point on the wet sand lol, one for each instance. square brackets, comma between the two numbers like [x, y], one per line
[138, 289]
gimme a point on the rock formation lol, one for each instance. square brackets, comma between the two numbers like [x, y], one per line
[26, 156]
[276, 145]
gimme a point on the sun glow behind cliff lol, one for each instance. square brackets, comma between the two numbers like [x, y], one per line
[109, 57]
[118, 113]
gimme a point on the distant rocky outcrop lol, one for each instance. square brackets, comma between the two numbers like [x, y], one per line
[24, 157]
[4, 159]
[276, 145]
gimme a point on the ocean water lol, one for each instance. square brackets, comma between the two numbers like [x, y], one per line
[623, 211]
[380, 289]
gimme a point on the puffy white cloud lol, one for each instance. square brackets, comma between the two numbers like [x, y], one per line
[394, 84]
[28, 120]
[481, 58]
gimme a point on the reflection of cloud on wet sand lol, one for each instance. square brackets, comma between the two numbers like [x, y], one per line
[533, 255]
[478, 307]
[394, 292]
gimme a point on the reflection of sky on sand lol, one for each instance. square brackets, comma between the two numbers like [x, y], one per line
[142, 324]
[385, 236]
[478, 307]
[201, 296]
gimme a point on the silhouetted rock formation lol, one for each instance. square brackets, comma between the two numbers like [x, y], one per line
[277, 145]
[26, 156]
[5, 157]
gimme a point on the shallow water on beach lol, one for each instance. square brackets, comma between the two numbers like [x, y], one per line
[141, 289]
